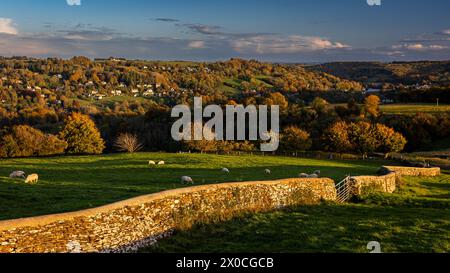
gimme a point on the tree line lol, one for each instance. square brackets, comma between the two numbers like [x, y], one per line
[351, 128]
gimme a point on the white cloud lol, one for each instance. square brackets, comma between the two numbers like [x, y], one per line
[270, 44]
[420, 47]
[197, 44]
[73, 2]
[7, 26]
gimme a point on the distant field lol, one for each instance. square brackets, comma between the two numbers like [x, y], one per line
[410, 109]
[74, 183]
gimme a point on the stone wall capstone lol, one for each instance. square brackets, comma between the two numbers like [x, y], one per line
[126, 226]
[409, 171]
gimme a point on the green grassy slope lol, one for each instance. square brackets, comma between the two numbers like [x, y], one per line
[74, 183]
[415, 219]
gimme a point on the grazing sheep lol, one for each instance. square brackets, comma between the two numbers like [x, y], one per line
[161, 163]
[187, 180]
[318, 172]
[225, 170]
[151, 162]
[17, 175]
[32, 179]
[267, 171]
[303, 175]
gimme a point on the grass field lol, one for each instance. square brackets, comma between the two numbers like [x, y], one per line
[74, 183]
[407, 109]
[411, 109]
[415, 219]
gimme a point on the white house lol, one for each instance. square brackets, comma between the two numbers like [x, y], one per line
[116, 92]
[99, 97]
[148, 93]
[135, 92]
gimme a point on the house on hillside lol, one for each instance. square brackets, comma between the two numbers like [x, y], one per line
[135, 92]
[116, 92]
[148, 93]
[99, 97]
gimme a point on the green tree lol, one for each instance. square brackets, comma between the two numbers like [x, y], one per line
[81, 135]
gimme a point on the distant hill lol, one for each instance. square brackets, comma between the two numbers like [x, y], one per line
[406, 73]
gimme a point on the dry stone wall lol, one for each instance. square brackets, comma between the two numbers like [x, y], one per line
[363, 184]
[129, 225]
[408, 171]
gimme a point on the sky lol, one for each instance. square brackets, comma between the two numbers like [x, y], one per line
[209, 30]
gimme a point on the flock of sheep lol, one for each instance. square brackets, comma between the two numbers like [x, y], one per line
[189, 180]
[30, 179]
[34, 178]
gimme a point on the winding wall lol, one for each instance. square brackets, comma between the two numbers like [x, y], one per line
[128, 225]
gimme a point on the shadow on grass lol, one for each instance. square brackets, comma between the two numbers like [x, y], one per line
[325, 228]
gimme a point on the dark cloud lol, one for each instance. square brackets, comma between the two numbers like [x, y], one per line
[167, 20]
[88, 32]
[205, 29]
[219, 31]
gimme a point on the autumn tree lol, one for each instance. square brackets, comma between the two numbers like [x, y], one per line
[76, 76]
[337, 138]
[294, 139]
[363, 138]
[372, 106]
[389, 140]
[82, 135]
[277, 99]
[319, 105]
[25, 141]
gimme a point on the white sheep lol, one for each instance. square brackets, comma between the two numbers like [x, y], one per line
[151, 162]
[187, 180]
[161, 163]
[32, 179]
[267, 171]
[318, 172]
[303, 175]
[17, 174]
[225, 170]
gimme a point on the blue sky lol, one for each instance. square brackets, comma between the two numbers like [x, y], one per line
[272, 30]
